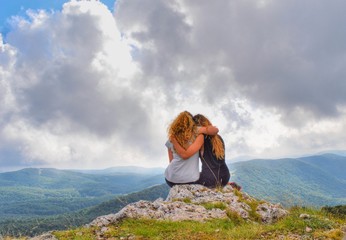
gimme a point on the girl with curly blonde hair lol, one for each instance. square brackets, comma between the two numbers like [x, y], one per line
[215, 172]
[183, 130]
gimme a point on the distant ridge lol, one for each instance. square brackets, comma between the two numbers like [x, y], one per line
[37, 225]
[315, 180]
[46, 191]
[58, 199]
[126, 169]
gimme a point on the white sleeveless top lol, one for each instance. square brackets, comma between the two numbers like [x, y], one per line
[180, 170]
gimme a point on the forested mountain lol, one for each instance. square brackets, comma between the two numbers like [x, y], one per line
[88, 184]
[314, 181]
[127, 169]
[42, 192]
[36, 200]
[36, 225]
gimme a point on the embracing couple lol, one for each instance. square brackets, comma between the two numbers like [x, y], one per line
[191, 138]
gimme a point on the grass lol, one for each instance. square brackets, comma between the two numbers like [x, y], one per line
[211, 205]
[252, 203]
[252, 213]
[323, 225]
[77, 234]
[185, 200]
[235, 217]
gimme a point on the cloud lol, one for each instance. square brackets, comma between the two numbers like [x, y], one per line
[71, 78]
[285, 59]
[280, 54]
[85, 87]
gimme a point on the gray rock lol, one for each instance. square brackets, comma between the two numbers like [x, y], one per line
[304, 216]
[270, 212]
[45, 236]
[185, 202]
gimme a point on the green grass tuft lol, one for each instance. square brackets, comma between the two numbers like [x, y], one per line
[77, 234]
[219, 205]
[254, 216]
[187, 200]
[235, 217]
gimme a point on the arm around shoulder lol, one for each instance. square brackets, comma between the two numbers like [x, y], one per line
[209, 130]
[191, 150]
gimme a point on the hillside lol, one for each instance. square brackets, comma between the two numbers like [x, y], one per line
[323, 226]
[312, 181]
[37, 200]
[127, 169]
[44, 192]
[195, 212]
[37, 225]
[316, 180]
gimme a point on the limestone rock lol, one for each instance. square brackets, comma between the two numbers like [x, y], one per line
[161, 210]
[186, 202]
[271, 212]
[304, 216]
[45, 236]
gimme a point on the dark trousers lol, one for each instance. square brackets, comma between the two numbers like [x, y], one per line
[171, 184]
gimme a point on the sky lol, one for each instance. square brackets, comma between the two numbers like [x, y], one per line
[95, 84]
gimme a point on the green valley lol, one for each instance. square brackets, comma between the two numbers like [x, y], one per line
[36, 225]
[45, 192]
[33, 201]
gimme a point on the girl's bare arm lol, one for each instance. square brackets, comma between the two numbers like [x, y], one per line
[191, 150]
[209, 130]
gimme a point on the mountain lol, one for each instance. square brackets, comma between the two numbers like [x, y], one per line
[49, 178]
[43, 192]
[38, 200]
[36, 225]
[330, 163]
[196, 212]
[315, 180]
[127, 169]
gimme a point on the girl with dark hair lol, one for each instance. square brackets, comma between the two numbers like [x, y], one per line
[215, 172]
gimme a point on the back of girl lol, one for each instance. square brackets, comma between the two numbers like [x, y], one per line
[215, 172]
[182, 171]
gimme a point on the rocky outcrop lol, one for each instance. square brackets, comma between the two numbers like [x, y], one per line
[45, 236]
[196, 202]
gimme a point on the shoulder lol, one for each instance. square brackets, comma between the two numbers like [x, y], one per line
[169, 144]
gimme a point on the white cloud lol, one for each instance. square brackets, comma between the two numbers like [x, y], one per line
[73, 80]
[83, 87]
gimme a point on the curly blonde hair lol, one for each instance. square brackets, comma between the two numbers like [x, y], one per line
[216, 141]
[183, 129]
